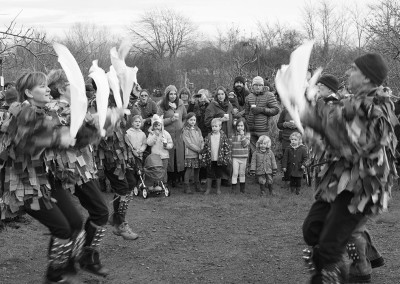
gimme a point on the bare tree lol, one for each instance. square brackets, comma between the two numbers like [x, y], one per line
[88, 42]
[162, 33]
[310, 19]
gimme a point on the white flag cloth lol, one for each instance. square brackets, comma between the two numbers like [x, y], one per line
[126, 75]
[291, 82]
[79, 100]
[114, 85]
[103, 91]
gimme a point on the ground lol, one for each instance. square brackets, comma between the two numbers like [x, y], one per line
[231, 238]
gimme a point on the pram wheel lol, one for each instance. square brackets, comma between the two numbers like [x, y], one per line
[135, 191]
[144, 193]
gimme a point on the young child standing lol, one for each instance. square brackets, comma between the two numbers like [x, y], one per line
[160, 142]
[263, 164]
[135, 137]
[240, 154]
[216, 154]
[293, 162]
[194, 143]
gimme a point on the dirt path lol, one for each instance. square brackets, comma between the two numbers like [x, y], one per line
[202, 239]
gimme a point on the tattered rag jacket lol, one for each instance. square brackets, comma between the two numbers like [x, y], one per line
[361, 143]
[75, 165]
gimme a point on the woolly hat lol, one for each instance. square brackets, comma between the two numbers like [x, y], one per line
[239, 79]
[156, 118]
[373, 67]
[11, 95]
[169, 89]
[329, 81]
[258, 80]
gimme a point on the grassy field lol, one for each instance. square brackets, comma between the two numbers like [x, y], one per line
[231, 238]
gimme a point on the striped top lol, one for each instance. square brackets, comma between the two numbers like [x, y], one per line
[240, 146]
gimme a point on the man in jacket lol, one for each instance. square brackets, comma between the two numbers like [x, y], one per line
[259, 107]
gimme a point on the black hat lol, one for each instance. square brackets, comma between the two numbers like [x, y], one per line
[11, 95]
[330, 81]
[239, 79]
[373, 67]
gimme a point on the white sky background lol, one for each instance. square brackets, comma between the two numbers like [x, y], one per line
[57, 16]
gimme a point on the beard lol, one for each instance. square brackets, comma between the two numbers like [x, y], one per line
[239, 88]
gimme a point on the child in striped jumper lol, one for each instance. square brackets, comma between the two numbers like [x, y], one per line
[240, 154]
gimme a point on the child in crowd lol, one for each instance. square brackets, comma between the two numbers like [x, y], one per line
[160, 142]
[293, 162]
[263, 164]
[240, 154]
[135, 137]
[216, 154]
[194, 143]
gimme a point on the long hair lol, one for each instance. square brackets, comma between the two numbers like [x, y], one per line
[28, 81]
[246, 127]
[220, 88]
[165, 101]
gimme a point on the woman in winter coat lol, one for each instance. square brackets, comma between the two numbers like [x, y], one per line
[174, 114]
[147, 108]
[220, 107]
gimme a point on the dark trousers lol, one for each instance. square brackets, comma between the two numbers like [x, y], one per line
[63, 220]
[329, 225]
[92, 200]
[121, 188]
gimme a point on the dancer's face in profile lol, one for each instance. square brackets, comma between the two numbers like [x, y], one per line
[356, 79]
[40, 94]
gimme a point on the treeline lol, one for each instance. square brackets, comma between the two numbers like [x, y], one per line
[168, 49]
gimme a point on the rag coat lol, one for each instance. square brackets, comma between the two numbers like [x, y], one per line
[263, 162]
[174, 128]
[293, 159]
[361, 142]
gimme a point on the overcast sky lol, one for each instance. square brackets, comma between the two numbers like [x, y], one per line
[57, 16]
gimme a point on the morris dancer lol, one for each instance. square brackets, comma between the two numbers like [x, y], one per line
[112, 157]
[31, 131]
[74, 169]
[359, 134]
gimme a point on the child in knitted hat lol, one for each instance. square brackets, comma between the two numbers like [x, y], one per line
[160, 141]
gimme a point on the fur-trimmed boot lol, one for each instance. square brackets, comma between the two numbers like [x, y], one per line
[360, 268]
[90, 259]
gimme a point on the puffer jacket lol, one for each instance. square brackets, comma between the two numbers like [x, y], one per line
[258, 117]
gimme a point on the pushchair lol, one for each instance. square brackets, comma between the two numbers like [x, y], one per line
[153, 169]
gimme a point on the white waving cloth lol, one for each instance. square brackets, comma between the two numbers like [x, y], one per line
[79, 100]
[114, 85]
[126, 75]
[103, 91]
[290, 82]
